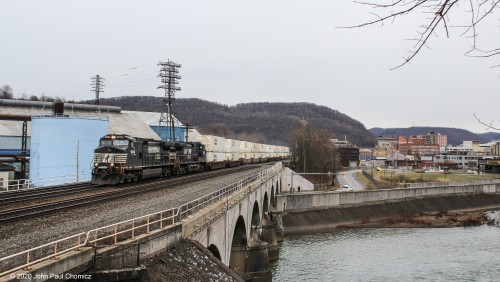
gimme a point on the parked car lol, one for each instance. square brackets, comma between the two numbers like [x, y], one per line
[346, 187]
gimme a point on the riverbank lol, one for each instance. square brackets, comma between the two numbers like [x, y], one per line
[384, 213]
[433, 220]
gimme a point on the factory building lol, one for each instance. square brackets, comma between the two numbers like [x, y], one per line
[64, 146]
[60, 138]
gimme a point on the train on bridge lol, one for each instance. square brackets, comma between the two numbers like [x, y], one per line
[121, 158]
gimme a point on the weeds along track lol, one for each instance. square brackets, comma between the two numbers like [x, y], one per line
[93, 194]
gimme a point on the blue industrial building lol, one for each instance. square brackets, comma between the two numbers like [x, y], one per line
[164, 132]
[64, 146]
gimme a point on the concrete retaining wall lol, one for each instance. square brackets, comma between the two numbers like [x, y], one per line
[325, 219]
[124, 254]
[313, 200]
[130, 253]
[298, 180]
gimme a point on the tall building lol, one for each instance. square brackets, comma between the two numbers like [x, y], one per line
[495, 148]
[346, 153]
[416, 146]
[433, 138]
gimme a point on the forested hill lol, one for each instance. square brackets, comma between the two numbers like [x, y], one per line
[456, 136]
[258, 122]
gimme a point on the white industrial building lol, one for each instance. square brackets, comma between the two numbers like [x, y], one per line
[70, 150]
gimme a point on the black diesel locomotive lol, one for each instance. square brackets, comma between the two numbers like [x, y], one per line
[122, 158]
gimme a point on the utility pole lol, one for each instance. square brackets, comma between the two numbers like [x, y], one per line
[97, 87]
[188, 126]
[169, 78]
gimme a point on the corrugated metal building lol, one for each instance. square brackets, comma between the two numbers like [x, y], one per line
[64, 146]
[78, 118]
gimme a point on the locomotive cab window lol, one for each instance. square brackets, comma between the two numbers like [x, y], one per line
[121, 143]
[106, 142]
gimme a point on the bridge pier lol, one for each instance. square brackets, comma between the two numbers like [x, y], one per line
[276, 218]
[252, 260]
[269, 236]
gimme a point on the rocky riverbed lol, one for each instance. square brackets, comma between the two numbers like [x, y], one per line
[434, 219]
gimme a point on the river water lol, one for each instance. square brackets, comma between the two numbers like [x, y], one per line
[392, 254]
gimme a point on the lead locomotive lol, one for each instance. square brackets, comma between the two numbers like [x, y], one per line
[121, 158]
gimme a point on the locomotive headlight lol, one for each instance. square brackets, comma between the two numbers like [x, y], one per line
[111, 165]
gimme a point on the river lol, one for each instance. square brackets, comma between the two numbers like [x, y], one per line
[392, 254]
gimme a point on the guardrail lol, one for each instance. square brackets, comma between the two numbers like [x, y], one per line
[197, 204]
[48, 251]
[452, 183]
[21, 184]
[131, 228]
[128, 229]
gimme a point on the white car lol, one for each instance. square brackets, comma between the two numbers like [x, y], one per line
[346, 187]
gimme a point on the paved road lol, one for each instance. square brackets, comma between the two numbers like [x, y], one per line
[349, 177]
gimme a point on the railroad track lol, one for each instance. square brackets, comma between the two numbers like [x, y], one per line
[17, 196]
[122, 191]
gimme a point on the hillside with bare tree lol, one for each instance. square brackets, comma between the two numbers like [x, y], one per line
[258, 122]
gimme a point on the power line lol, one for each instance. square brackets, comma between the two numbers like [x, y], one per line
[169, 78]
[97, 87]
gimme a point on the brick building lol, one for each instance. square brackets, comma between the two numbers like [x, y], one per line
[416, 146]
[433, 138]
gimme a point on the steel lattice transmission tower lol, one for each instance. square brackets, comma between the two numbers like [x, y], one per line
[169, 78]
[97, 87]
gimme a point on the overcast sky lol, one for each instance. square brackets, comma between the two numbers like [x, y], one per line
[254, 51]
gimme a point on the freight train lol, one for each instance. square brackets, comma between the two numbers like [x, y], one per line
[121, 158]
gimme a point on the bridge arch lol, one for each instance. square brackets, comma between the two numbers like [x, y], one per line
[265, 204]
[215, 251]
[240, 233]
[273, 196]
[255, 220]
[238, 246]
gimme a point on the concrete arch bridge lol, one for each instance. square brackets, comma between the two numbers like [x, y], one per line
[234, 223]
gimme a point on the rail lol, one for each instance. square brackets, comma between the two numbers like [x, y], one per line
[128, 229]
[452, 183]
[21, 184]
[50, 250]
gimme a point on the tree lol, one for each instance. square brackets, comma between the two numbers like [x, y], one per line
[34, 98]
[6, 92]
[312, 149]
[438, 16]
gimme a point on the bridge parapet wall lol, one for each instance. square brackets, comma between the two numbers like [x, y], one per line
[215, 204]
[215, 223]
[304, 201]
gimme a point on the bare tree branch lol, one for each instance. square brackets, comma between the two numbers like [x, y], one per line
[489, 125]
[439, 11]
